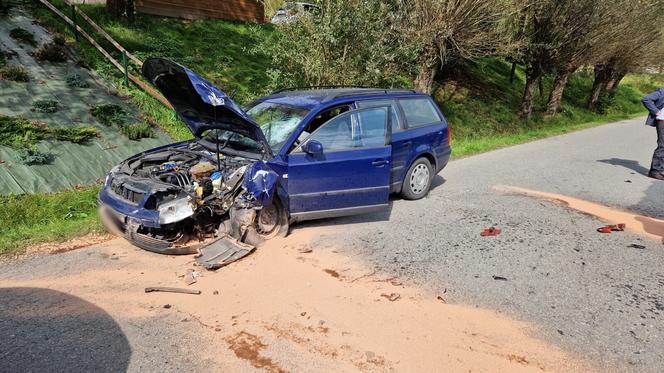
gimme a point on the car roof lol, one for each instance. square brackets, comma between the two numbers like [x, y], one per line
[312, 97]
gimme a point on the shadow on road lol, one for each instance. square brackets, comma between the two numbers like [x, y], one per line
[43, 330]
[627, 163]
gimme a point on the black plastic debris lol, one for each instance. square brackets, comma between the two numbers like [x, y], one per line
[637, 246]
[222, 252]
[499, 278]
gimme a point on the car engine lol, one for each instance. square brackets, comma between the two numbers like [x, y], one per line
[191, 187]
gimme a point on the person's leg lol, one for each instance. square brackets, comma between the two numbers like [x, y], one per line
[658, 157]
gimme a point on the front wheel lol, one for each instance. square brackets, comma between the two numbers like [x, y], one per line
[271, 221]
[418, 179]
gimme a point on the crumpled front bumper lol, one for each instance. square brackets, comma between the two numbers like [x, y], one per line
[127, 228]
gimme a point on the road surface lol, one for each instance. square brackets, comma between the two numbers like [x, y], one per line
[589, 297]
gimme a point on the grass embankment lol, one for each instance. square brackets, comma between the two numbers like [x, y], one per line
[478, 99]
[29, 219]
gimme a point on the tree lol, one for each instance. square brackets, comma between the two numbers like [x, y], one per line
[443, 30]
[554, 30]
[349, 42]
[634, 48]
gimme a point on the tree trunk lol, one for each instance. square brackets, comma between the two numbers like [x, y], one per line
[512, 72]
[613, 84]
[599, 85]
[526, 110]
[557, 91]
[426, 71]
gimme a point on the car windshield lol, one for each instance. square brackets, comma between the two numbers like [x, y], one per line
[277, 121]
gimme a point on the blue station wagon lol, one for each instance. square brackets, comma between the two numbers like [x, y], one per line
[297, 154]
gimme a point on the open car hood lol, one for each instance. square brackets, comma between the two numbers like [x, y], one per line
[200, 104]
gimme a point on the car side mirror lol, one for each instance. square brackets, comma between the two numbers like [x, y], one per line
[313, 147]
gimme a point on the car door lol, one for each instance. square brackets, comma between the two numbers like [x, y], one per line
[342, 168]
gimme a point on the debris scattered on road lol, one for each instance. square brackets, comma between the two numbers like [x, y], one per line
[560, 332]
[489, 232]
[167, 306]
[303, 314]
[191, 277]
[391, 297]
[222, 252]
[216, 292]
[611, 228]
[171, 290]
[499, 278]
[395, 282]
[637, 246]
[332, 273]
[440, 298]
[305, 250]
[628, 181]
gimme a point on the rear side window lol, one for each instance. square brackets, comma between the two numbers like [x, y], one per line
[419, 112]
[396, 121]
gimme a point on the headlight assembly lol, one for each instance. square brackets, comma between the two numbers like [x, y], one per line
[174, 211]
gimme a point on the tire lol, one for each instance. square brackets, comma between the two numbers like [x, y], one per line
[418, 179]
[270, 222]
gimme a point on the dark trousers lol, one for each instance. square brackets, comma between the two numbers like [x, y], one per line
[658, 156]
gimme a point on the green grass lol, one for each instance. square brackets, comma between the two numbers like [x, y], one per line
[22, 35]
[30, 219]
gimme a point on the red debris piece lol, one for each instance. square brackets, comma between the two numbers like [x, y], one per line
[493, 231]
[611, 228]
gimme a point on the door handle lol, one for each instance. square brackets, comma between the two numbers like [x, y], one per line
[407, 144]
[380, 162]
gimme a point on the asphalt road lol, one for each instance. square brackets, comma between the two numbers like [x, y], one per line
[587, 293]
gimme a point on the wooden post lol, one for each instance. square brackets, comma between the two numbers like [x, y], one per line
[126, 71]
[73, 19]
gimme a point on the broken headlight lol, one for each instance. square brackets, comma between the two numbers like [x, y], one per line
[174, 211]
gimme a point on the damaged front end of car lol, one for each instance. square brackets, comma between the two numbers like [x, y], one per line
[180, 198]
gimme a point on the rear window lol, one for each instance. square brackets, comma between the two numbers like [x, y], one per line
[419, 112]
[396, 122]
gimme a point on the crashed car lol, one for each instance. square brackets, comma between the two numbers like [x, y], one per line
[291, 156]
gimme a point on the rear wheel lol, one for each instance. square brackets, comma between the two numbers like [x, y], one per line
[418, 179]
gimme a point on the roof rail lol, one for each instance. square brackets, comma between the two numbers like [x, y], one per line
[316, 87]
[372, 92]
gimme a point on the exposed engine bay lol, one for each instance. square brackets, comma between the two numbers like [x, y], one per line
[198, 195]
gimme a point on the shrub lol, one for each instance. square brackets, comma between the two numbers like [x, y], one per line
[110, 115]
[137, 131]
[46, 106]
[19, 133]
[4, 7]
[59, 39]
[16, 73]
[75, 80]
[23, 35]
[32, 156]
[51, 52]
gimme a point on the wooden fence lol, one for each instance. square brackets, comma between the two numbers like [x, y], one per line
[240, 10]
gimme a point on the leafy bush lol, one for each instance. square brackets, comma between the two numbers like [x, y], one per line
[138, 131]
[51, 52]
[116, 116]
[16, 73]
[46, 106]
[30, 156]
[20, 133]
[75, 80]
[110, 115]
[23, 35]
[59, 39]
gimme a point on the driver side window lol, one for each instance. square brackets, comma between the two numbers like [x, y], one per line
[359, 129]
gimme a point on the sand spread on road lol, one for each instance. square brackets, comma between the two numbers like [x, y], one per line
[284, 308]
[643, 225]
